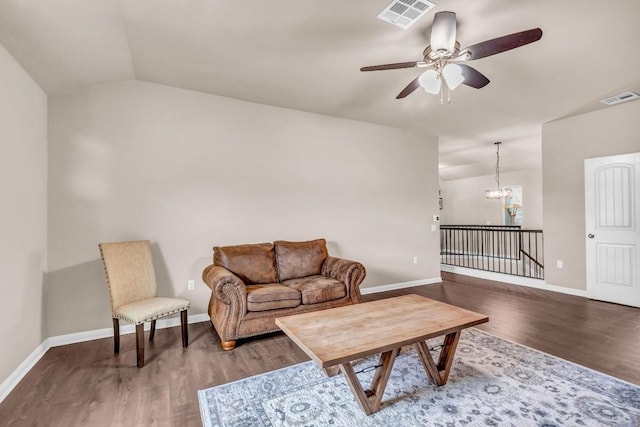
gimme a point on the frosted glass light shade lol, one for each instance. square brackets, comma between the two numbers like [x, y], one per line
[443, 32]
[453, 75]
[430, 82]
[498, 193]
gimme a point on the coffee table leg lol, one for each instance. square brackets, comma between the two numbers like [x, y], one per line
[370, 400]
[439, 373]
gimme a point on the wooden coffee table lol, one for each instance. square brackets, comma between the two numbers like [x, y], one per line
[339, 336]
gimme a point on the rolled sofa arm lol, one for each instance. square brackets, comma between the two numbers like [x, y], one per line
[352, 273]
[228, 288]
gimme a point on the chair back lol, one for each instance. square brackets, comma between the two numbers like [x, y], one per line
[129, 271]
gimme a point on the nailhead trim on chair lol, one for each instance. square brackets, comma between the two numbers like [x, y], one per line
[150, 318]
[106, 273]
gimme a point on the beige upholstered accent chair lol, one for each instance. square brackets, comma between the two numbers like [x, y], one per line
[131, 280]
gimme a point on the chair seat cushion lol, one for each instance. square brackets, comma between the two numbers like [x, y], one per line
[271, 296]
[316, 289]
[150, 309]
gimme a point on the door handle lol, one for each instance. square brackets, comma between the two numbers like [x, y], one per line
[591, 236]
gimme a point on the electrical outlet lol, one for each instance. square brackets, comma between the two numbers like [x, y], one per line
[436, 218]
[559, 264]
[415, 259]
[191, 284]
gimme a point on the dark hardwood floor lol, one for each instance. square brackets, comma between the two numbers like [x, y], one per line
[85, 384]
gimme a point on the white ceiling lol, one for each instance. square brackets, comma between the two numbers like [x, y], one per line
[306, 55]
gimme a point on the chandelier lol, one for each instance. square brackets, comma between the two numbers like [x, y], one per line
[499, 192]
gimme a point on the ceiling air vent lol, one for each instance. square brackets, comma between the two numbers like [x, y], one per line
[404, 13]
[623, 97]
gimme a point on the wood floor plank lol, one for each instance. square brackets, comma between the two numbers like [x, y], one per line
[86, 384]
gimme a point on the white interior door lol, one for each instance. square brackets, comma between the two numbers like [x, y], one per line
[612, 208]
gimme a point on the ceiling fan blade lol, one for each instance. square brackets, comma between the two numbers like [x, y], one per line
[502, 44]
[443, 32]
[409, 89]
[413, 64]
[473, 77]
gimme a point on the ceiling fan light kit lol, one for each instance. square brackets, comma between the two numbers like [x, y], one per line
[452, 74]
[430, 81]
[445, 59]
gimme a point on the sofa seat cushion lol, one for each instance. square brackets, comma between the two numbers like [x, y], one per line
[316, 289]
[254, 263]
[271, 296]
[300, 259]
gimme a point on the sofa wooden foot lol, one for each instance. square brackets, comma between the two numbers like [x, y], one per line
[228, 345]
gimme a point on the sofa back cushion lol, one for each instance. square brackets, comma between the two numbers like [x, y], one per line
[252, 263]
[300, 259]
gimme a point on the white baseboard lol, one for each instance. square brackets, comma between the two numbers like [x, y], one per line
[401, 285]
[77, 337]
[570, 291]
[514, 280]
[14, 378]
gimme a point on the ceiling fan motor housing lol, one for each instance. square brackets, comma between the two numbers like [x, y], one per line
[443, 33]
[429, 55]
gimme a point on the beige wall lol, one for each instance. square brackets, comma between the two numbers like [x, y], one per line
[565, 145]
[23, 166]
[465, 204]
[189, 170]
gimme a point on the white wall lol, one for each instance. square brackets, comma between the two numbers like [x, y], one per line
[565, 145]
[465, 204]
[189, 170]
[23, 166]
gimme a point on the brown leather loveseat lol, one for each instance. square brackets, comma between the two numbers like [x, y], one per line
[253, 284]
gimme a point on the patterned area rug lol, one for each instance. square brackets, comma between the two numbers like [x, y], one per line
[492, 382]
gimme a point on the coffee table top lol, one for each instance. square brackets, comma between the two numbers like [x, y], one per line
[343, 334]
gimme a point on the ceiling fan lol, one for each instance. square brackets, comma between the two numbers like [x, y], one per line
[445, 59]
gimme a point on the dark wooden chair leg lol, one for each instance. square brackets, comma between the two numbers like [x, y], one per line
[185, 330]
[140, 344]
[116, 336]
[152, 332]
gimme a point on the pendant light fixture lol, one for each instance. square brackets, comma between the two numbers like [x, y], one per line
[499, 192]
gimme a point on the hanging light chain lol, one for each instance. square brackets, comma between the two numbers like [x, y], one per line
[498, 162]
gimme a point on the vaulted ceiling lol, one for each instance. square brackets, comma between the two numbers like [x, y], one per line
[306, 55]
